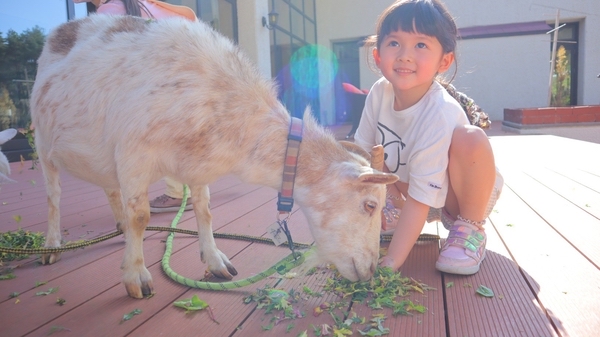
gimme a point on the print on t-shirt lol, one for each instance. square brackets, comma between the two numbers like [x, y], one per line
[391, 142]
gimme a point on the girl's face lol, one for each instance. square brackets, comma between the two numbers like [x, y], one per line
[410, 61]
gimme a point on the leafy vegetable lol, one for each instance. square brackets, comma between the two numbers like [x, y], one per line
[191, 304]
[484, 291]
[195, 304]
[130, 315]
[19, 239]
[56, 328]
[8, 276]
[385, 290]
[376, 328]
[310, 292]
[45, 293]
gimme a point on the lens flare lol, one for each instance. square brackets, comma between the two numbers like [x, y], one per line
[312, 67]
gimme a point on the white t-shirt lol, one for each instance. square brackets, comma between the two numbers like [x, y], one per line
[416, 140]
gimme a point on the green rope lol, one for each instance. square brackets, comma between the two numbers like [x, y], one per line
[281, 267]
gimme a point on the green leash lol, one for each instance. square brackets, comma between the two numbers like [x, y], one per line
[285, 265]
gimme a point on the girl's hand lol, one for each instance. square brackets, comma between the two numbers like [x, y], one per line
[387, 261]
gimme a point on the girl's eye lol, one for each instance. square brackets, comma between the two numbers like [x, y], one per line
[393, 44]
[421, 45]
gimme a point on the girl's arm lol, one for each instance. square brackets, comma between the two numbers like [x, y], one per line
[410, 225]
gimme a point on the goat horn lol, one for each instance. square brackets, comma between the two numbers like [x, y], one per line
[377, 157]
[351, 147]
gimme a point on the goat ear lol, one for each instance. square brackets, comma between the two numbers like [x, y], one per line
[351, 147]
[376, 177]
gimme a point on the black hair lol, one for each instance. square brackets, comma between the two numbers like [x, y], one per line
[428, 17]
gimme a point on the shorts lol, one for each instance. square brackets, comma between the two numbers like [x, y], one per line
[440, 214]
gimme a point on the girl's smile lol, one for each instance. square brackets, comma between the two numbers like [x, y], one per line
[411, 61]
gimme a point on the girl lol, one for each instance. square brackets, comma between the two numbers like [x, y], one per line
[442, 161]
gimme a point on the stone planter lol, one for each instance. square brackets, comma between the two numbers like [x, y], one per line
[550, 117]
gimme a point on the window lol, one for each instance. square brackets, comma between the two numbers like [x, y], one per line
[564, 79]
[293, 58]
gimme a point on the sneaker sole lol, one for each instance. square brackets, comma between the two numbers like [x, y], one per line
[458, 270]
[169, 209]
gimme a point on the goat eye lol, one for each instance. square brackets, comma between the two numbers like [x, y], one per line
[370, 207]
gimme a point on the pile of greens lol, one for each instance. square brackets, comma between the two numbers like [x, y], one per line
[19, 239]
[387, 289]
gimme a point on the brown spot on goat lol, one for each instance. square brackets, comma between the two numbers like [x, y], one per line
[128, 24]
[44, 91]
[64, 38]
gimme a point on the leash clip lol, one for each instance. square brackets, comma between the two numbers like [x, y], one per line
[283, 224]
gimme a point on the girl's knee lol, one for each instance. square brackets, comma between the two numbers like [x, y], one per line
[468, 141]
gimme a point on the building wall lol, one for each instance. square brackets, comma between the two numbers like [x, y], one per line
[498, 72]
[253, 37]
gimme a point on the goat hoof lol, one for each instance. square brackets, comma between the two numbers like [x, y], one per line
[231, 270]
[50, 258]
[138, 282]
[226, 274]
[137, 291]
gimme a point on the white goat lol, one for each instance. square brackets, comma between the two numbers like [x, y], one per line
[5, 136]
[122, 101]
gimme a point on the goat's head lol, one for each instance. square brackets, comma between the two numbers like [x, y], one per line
[343, 207]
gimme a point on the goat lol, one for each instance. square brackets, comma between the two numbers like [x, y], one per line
[121, 102]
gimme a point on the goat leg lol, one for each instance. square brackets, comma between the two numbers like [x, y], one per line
[218, 263]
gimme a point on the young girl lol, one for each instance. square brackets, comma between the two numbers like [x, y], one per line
[442, 161]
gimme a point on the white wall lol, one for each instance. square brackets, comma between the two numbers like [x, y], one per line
[253, 37]
[503, 72]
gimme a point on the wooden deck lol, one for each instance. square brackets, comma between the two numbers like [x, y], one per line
[543, 260]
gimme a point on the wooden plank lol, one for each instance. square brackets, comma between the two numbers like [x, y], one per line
[564, 281]
[513, 311]
[583, 176]
[561, 214]
[568, 187]
[545, 151]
